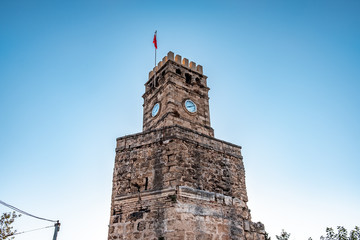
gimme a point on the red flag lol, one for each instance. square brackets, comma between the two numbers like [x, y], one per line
[154, 41]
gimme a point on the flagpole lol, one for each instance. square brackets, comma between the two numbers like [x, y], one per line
[155, 56]
[155, 48]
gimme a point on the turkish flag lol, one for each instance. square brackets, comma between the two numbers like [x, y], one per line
[154, 41]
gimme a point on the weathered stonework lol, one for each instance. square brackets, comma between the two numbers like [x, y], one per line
[173, 83]
[175, 180]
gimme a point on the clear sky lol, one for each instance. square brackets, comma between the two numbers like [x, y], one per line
[284, 79]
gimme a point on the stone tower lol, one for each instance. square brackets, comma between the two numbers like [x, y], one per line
[175, 180]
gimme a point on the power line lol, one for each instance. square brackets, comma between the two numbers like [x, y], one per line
[26, 213]
[30, 231]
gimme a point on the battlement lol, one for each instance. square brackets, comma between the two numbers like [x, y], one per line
[178, 59]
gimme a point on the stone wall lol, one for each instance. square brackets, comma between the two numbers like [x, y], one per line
[175, 183]
[176, 156]
[174, 83]
[182, 213]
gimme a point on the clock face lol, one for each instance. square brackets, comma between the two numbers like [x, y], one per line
[190, 106]
[155, 109]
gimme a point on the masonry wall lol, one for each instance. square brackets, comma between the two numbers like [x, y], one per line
[182, 213]
[170, 87]
[176, 156]
[175, 183]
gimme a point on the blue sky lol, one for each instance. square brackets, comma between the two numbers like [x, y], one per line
[284, 79]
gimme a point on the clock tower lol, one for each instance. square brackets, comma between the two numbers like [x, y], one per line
[177, 94]
[174, 180]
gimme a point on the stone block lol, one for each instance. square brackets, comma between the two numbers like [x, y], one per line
[176, 235]
[170, 55]
[249, 236]
[236, 232]
[225, 237]
[141, 225]
[185, 62]
[210, 227]
[199, 69]
[151, 73]
[129, 227]
[203, 236]
[190, 235]
[192, 65]
[228, 200]
[178, 59]
[216, 237]
[223, 229]
[137, 235]
[246, 226]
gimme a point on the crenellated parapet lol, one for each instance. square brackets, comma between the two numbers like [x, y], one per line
[171, 83]
[178, 59]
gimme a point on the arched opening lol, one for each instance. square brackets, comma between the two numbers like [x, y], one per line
[178, 71]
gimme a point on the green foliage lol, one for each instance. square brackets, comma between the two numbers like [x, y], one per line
[355, 234]
[342, 234]
[283, 236]
[6, 230]
[267, 236]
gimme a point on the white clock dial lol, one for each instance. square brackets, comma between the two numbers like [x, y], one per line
[190, 106]
[155, 109]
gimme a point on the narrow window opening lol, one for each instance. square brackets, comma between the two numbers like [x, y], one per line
[187, 78]
[146, 183]
[178, 71]
[163, 73]
[156, 82]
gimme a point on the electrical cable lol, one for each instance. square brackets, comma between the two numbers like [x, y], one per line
[17, 233]
[23, 212]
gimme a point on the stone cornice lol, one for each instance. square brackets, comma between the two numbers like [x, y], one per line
[181, 191]
[177, 132]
